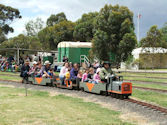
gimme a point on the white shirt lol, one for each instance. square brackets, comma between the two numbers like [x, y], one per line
[63, 71]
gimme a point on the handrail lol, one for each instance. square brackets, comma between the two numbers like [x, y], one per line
[85, 59]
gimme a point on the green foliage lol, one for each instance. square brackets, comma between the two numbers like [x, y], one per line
[100, 45]
[7, 15]
[55, 19]
[114, 33]
[33, 27]
[153, 38]
[164, 32]
[22, 41]
[51, 36]
[84, 28]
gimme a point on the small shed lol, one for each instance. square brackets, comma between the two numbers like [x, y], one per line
[73, 50]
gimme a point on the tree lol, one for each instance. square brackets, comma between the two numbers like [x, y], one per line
[55, 19]
[164, 32]
[154, 41]
[51, 36]
[33, 27]
[7, 15]
[2, 36]
[84, 28]
[114, 34]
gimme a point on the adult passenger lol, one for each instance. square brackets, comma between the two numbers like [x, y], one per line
[74, 72]
[25, 70]
[105, 71]
[33, 69]
[63, 72]
[45, 69]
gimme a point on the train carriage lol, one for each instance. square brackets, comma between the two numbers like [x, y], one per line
[115, 86]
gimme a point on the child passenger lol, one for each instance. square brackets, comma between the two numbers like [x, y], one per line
[79, 74]
[67, 76]
[96, 77]
[85, 76]
[51, 73]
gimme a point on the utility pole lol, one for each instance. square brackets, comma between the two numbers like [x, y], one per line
[138, 27]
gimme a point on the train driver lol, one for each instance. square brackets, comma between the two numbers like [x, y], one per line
[105, 71]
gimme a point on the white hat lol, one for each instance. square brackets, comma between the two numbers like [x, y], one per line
[98, 70]
[46, 62]
[34, 62]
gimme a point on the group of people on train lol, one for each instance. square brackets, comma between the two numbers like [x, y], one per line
[37, 70]
[68, 72]
[91, 74]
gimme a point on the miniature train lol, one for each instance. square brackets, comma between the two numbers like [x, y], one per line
[115, 86]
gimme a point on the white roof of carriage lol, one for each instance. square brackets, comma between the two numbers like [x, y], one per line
[75, 44]
[138, 51]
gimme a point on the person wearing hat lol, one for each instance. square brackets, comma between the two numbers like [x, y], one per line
[25, 69]
[105, 71]
[45, 69]
[33, 68]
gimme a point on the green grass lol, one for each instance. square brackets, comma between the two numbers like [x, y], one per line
[150, 96]
[14, 78]
[143, 74]
[145, 79]
[155, 86]
[42, 109]
[9, 73]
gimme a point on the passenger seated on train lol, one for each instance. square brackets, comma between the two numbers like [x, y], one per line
[67, 76]
[105, 71]
[80, 74]
[25, 69]
[63, 71]
[33, 69]
[90, 74]
[85, 75]
[96, 77]
[51, 73]
[45, 69]
[74, 73]
[38, 72]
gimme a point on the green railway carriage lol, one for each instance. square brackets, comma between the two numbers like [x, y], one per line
[73, 50]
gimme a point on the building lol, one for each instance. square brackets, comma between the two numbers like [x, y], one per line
[74, 51]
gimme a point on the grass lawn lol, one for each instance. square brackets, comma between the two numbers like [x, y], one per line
[155, 86]
[40, 108]
[149, 96]
[14, 78]
[145, 79]
[10, 73]
[143, 74]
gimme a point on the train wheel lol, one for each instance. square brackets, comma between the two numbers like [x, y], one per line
[117, 96]
[82, 89]
[121, 96]
[126, 96]
[113, 95]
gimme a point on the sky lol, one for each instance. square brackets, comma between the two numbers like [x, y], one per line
[152, 12]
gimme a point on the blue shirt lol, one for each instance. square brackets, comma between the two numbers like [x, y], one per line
[73, 73]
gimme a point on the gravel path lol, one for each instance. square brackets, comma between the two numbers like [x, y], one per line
[129, 111]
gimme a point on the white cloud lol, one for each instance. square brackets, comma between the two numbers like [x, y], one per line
[153, 12]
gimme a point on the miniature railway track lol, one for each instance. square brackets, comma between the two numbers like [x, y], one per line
[148, 105]
[144, 104]
[158, 90]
